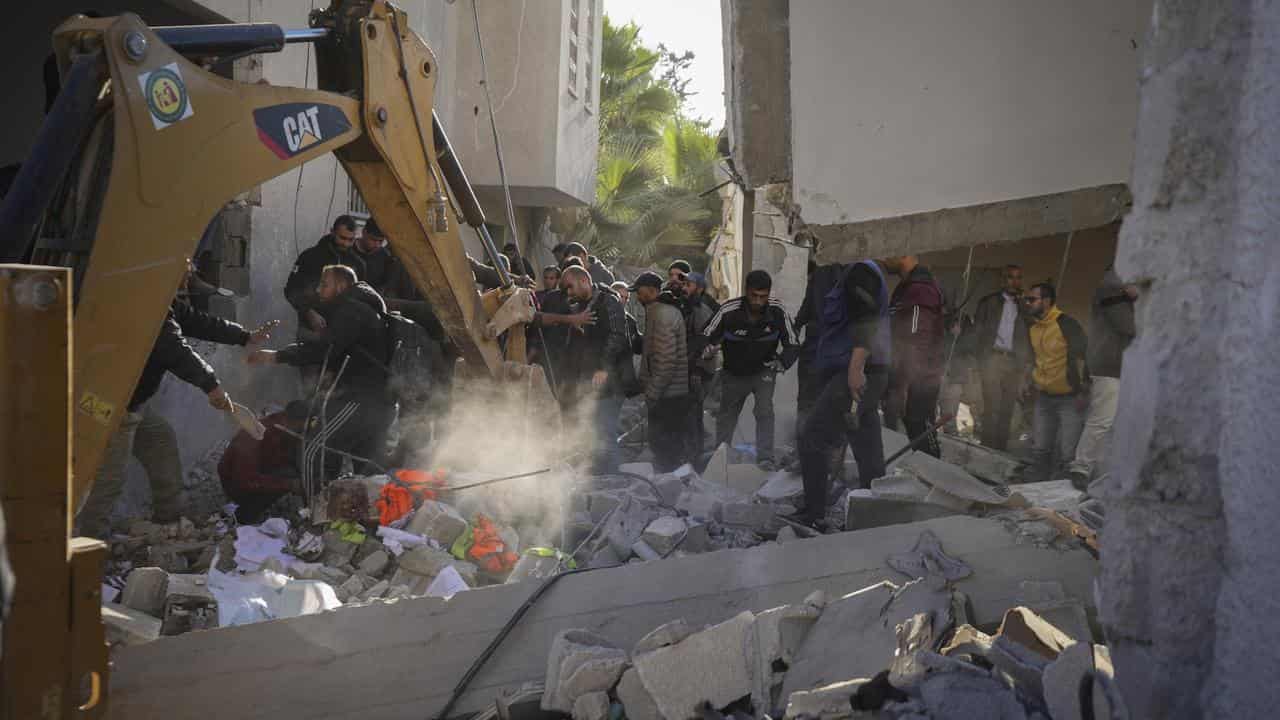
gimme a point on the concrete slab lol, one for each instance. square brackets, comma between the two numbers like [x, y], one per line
[394, 659]
[982, 462]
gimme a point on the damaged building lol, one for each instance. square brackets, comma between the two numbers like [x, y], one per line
[1062, 138]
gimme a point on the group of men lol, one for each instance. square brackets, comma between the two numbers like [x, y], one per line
[868, 346]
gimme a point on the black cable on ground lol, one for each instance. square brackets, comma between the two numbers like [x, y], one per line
[524, 608]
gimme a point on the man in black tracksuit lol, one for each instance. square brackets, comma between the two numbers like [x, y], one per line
[336, 248]
[356, 417]
[751, 330]
[146, 435]
[853, 361]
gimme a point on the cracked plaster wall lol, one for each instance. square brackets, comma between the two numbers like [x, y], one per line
[1191, 569]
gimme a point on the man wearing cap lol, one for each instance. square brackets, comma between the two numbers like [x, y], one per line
[664, 371]
[699, 309]
[678, 269]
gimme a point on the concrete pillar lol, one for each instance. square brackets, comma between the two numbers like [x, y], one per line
[1190, 590]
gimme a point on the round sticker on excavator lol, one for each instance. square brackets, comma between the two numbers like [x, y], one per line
[165, 95]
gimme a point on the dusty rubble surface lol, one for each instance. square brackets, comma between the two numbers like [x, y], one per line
[191, 576]
[200, 575]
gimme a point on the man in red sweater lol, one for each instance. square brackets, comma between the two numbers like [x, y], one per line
[255, 473]
[916, 319]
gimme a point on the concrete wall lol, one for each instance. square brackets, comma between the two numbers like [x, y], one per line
[549, 135]
[1188, 594]
[907, 106]
[757, 81]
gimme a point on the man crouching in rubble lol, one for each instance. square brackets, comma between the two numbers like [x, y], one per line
[355, 412]
[592, 385]
[148, 436]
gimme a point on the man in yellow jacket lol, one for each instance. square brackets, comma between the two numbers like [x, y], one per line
[1061, 379]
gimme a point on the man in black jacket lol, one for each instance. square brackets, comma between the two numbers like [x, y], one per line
[336, 248]
[591, 386]
[355, 418]
[1002, 347]
[148, 436]
[759, 342]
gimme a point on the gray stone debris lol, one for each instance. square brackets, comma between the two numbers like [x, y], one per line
[375, 563]
[438, 521]
[591, 706]
[782, 488]
[669, 488]
[952, 479]
[188, 605]
[337, 552]
[786, 534]
[664, 533]
[829, 702]
[662, 636]
[126, 626]
[927, 559]
[779, 633]
[717, 469]
[746, 478]
[966, 696]
[864, 509]
[533, 567]
[569, 651]
[635, 699]
[758, 517]
[712, 665]
[596, 675]
[1062, 682]
[146, 591]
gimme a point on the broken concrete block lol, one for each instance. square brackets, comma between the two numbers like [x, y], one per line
[600, 504]
[189, 605]
[758, 517]
[591, 706]
[642, 469]
[746, 478]
[717, 469]
[598, 675]
[983, 462]
[332, 575]
[375, 563]
[570, 650]
[1068, 616]
[669, 488]
[779, 633]
[1021, 665]
[145, 591]
[662, 636]
[168, 558]
[664, 533]
[127, 626]
[786, 534]
[378, 590]
[953, 480]
[350, 589]
[534, 567]
[714, 665]
[829, 702]
[425, 560]
[782, 487]
[438, 521]
[1024, 627]
[642, 551]
[697, 538]
[337, 552]
[864, 509]
[604, 557]
[413, 583]
[637, 701]
[1062, 682]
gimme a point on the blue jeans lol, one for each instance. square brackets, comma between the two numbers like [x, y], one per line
[1059, 420]
[606, 456]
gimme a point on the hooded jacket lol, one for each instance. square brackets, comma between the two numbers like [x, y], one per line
[300, 289]
[1060, 347]
[916, 319]
[171, 353]
[1111, 327]
[664, 365]
[356, 331]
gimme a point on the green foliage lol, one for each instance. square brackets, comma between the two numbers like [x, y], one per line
[653, 161]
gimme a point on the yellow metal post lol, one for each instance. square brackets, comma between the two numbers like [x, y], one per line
[53, 642]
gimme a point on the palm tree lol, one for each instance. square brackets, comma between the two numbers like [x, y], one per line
[652, 164]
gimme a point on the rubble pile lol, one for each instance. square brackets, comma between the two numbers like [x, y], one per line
[895, 649]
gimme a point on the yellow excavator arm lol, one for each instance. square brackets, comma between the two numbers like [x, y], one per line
[167, 144]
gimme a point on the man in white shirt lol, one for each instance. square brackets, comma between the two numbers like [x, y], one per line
[1003, 352]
